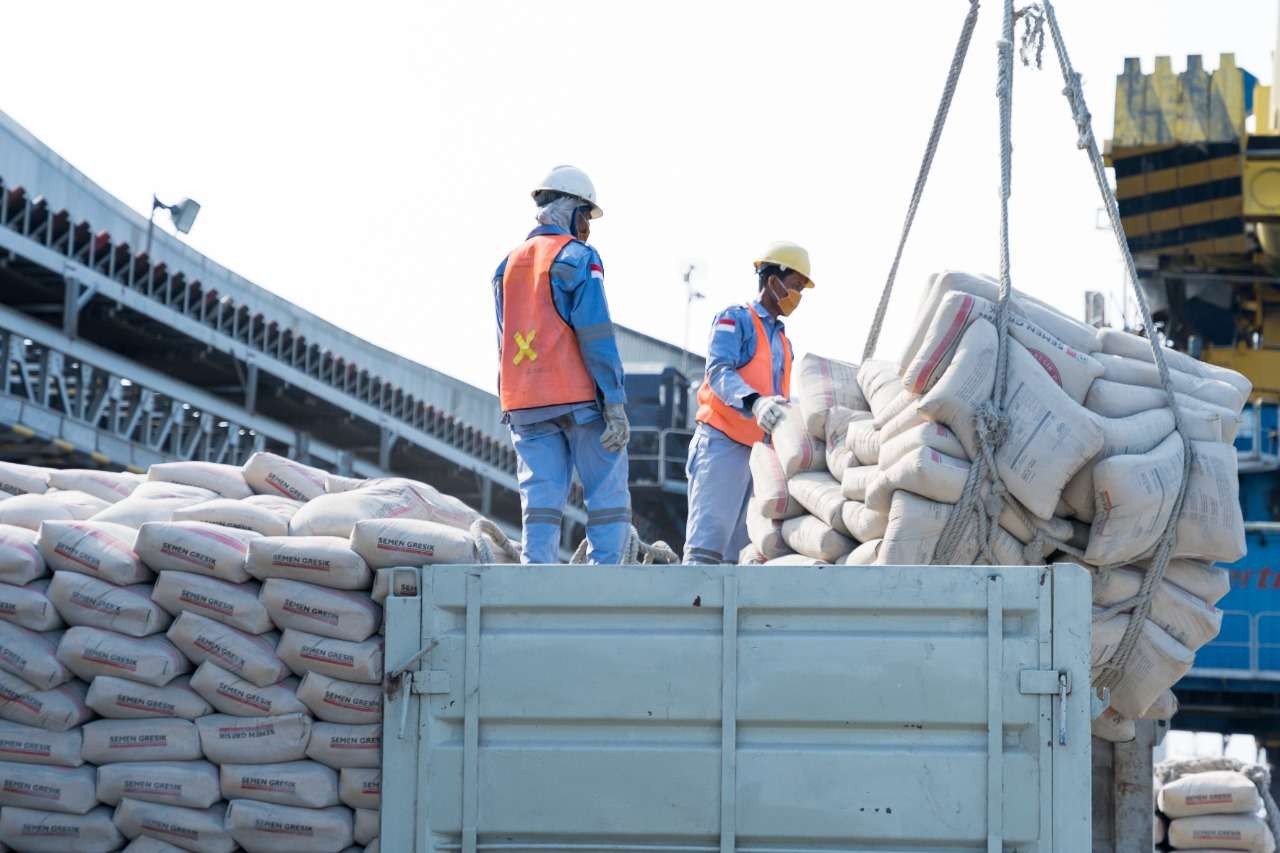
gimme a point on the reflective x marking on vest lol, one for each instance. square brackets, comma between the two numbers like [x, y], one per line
[525, 343]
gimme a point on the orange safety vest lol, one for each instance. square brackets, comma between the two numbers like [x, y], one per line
[541, 363]
[758, 373]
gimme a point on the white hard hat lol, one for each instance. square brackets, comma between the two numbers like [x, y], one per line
[571, 180]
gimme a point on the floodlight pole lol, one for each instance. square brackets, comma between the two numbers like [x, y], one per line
[156, 204]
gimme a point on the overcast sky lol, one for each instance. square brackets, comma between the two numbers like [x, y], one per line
[373, 161]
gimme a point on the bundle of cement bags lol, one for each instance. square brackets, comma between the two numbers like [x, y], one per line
[193, 660]
[1212, 811]
[870, 461]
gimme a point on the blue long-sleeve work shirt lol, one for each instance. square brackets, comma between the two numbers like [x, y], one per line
[733, 344]
[577, 289]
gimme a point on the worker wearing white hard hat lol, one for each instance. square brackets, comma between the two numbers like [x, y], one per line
[748, 378]
[560, 378]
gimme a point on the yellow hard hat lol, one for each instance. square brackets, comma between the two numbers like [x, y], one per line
[789, 256]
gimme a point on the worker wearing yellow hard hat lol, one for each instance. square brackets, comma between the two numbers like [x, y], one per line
[740, 402]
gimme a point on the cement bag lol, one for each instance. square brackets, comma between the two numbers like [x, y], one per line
[857, 480]
[865, 554]
[814, 538]
[366, 825]
[324, 560]
[864, 440]
[359, 662]
[110, 486]
[336, 514]
[1187, 619]
[769, 484]
[390, 582]
[340, 745]
[228, 739]
[372, 847]
[159, 739]
[388, 542]
[965, 385]
[201, 830]
[750, 556]
[234, 604]
[241, 515]
[1112, 727]
[1135, 434]
[795, 560]
[30, 511]
[839, 457]
[863, 523]
[820, 494]
[58, 709]
[32, 745]
[822, 385]
[32, 656]
[879, 383]
[912, 531]
[1117, 400]
[929, 435]
[1205, 581]
[90, 652]
[1133, 500]
[319, 610]
[335, 484]
[337, 701]
[925, 472]
[69, 790]
[1157, 662]
[1218, 831]
[1132, 371]
[16, 479]
[228, 693]
[84, 600]
[190, 784]
[360, 787]
[225, 480]
[194, 546]
[20, 559]
[1211, 792]
[29, 606]
[100, 549]
[269, 828]
[38, 831]
[1118, 342]
[765, 533]
[306, 784]
[249, 656]
[896, 408]
[1211, 526]
[146, 844]
[1165, 706]
[135, 512]
[906, 419]
[797, 450]
[269, 474]
[284, 507]
[121, 699]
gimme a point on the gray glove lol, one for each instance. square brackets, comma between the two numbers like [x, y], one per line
[617, 429]
[768, 411]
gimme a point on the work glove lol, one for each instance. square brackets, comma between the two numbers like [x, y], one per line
[617, 429]
[768, 412]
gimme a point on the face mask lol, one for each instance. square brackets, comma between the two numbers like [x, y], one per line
[787, 301]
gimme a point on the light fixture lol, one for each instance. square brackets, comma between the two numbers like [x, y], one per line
[183, 215]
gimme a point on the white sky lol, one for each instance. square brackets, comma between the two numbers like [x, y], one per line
[375, 166]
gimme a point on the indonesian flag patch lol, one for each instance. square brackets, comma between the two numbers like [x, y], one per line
[726, 324]
[597, 272]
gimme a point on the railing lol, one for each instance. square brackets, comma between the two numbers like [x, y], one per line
[1248, 647]
[1257, 446]
[658, 458]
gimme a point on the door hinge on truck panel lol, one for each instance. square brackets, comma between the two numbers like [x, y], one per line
[1049, 682]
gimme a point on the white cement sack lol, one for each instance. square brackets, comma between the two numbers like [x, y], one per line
[1211, 792]
[750, 556]
[306, 784]
[965, 385]
[16, 479]
[765, 533]
[1132, 371]
[269, 828]
[797, 450]
[1133, 502]
[32, 656]
[1059, 529]
[1165, 706]
[1118, 342]
[230, 739]
[929, 435]
[862, 522]
[1112, 727]
[20, 559]
[199, 830]
[335, 701]
[29, 606]
[865, 554]
[823, 384]
[366, 826]
[820, 494]
[1211, 525]
[58, 709]
[30, 511]
[1219, 831]
[32, 745]
[857, 480]
[1205, 581]
[891, 411]
[906, 419]
[769, 484]
[863, 439]
[336, 514]
[69, 790]
[912, 531]
[121, 699]
[284, 507]
[252, 657]
[1187, 619]
[320, 610]
[390, 582]
[372, 847]
[146, 844]
[335, 484]
[879, 382]
[155, 490]
[387, 542]
[360, 787]
[194, 546]
[1157, 662]
[100, 549]
[1117, 400]
[90, 652]
[359, 662]
[341, 745]
[225, 480]
[323, 560]
[241, 515]
[85, 600]
[234, 604]
[839, 457]
[795, 560]
[135, 512]
[110, 486]
[159, 739]
[269, 474]
[814, 538]
[925, 472]
[1139, 433]
[231, 694]
[39, 831]
[190, 784]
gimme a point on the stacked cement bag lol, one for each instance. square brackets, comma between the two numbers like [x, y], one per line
[193, 659]
[1213, 810]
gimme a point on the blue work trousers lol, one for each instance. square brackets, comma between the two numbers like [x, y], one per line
[719, 488]
[548, 453]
